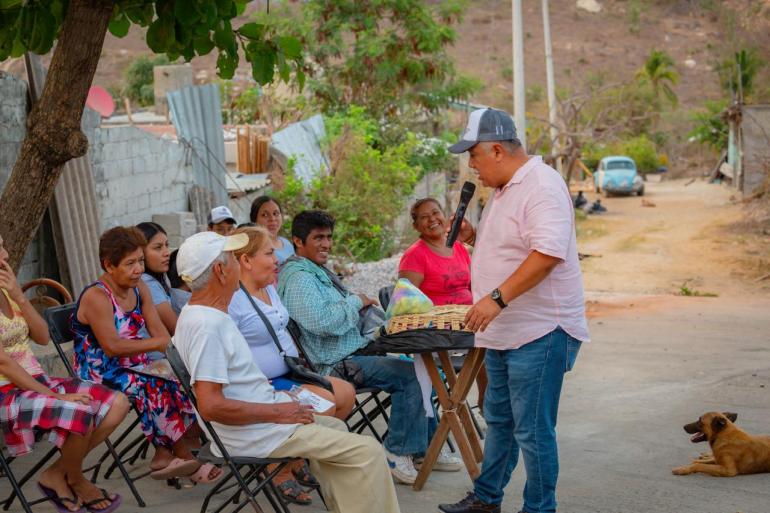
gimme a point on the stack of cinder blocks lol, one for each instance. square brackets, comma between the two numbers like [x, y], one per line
[178, 226]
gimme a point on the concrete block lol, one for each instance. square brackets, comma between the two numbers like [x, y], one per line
[156, 198]
[174, 241]
[178, 224]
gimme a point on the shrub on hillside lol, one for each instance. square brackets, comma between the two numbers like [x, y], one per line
[139, 80]
[710, 129]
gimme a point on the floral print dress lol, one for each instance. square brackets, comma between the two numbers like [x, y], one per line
[164, 410]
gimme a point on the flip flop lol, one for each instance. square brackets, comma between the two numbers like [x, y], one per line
[202, 474]
[114, 503]
[58, 501]
[177, 468]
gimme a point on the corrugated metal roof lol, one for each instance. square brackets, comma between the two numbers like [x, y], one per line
[197, 115]
[239, 182]
[302, 141]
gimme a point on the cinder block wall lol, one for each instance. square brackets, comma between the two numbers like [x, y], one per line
[13, 118]
[136, 175]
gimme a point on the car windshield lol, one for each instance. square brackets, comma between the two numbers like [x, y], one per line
[620, 164]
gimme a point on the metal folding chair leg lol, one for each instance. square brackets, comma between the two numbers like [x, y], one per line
[26, 477]
[16, 487]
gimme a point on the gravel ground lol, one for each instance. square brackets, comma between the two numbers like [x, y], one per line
[370, 277]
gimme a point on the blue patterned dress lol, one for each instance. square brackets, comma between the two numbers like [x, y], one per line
[164, 410]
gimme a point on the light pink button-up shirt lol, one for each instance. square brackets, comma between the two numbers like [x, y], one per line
[532, 212]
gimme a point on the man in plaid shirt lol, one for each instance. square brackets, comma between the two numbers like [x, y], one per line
[328, 319]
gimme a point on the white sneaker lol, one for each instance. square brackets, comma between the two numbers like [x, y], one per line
[402, 468]
[446, 461]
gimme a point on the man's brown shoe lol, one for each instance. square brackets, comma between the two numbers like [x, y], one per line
[470, 504]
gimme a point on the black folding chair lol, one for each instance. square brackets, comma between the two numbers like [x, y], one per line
[243, 470]
[59, 322]
[58, 326]
[384, 296]
[365, 410]
[17, 484]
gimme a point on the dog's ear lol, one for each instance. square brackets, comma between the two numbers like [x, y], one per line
[718, 423]
[732, 416]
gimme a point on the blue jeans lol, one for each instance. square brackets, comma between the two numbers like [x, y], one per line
[409, 430]
[520, 407]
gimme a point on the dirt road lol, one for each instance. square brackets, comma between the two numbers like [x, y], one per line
[684, 240]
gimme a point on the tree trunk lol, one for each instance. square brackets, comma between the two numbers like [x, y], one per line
[53, 127]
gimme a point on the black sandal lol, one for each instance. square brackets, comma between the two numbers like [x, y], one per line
[304, 477]
[292, 492]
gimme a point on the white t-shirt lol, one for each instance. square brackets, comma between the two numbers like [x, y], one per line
[260, 342]
[214, 350]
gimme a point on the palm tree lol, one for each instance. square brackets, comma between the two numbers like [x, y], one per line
[661, 74]
[744, 64]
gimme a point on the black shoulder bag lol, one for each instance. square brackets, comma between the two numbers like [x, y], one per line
[297, 371]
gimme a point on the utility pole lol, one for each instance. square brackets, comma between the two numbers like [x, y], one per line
[519, 98]
[553, 133]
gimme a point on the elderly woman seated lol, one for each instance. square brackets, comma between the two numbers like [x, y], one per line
[77, 415]
[259, 264]
[116, 330]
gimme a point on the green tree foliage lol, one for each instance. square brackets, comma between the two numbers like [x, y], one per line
[710, 128]
[740, 69]
[640, 148]
[139, 79]
[387, 55]
[660, 73]
[177, 28]
[365, 189]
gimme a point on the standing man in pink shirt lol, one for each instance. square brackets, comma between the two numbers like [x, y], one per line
[528, 310]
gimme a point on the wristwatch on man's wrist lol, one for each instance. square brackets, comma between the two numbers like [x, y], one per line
[497, 297]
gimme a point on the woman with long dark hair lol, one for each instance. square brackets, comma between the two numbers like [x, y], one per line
[266, 212]
[157, 255]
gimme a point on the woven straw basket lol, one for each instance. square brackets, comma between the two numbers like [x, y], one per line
[447, 317]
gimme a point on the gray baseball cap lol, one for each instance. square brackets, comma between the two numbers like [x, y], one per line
[485, 125]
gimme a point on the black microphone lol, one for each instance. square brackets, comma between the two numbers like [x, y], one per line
[465, 197]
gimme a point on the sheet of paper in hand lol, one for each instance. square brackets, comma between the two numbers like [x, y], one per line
[306, 397]
[156, 369]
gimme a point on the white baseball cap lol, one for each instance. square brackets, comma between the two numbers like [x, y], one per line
[219, 214]
[198, 252]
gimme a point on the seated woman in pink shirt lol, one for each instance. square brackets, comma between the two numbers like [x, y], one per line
[442, 273]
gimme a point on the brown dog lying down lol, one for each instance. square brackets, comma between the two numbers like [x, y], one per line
[733, 450]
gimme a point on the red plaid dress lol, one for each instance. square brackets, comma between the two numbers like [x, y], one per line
[23, 412]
